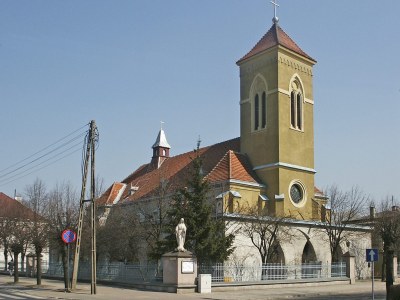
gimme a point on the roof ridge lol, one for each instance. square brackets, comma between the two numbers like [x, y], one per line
[275, 26]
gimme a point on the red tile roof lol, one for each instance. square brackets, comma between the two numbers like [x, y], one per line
[220, 162]
[318, 192]
[233, 166]
[274, 37]
[11, 208]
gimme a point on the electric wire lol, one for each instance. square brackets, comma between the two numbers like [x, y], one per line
[45, 148]
[50, 153]
[41, 163]
[34, 171]
[42, 156]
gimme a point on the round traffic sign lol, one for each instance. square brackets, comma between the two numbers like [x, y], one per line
[68, 236]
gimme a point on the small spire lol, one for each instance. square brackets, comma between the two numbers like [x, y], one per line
[275, 19]
[161, 122]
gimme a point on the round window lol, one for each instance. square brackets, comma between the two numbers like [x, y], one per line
[296, 193]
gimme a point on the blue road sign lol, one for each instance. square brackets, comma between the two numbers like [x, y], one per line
[68, 236]
[372, 255]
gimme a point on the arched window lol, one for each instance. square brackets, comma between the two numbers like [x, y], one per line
[256, 112]
[292, 110]
[258, 96]
[296, 105]
[299, 111]
[263, 110]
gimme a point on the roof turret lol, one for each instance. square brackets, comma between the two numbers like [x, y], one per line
[161, 140]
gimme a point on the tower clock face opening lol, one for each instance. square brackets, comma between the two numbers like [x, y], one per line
[296, 193]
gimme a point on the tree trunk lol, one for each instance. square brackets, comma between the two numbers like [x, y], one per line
[65, 266]
[16, 273]
[383, 271]
[22, 262]
[389, 272]
[39, 268]
[5, 258]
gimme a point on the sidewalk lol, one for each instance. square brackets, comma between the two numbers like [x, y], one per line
[53, 289]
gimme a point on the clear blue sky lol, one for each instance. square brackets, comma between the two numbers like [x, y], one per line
[130, 64]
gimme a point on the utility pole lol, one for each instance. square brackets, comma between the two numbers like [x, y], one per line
[90, 141]
[93, 216]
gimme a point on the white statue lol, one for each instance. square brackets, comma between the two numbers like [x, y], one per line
[180, 232]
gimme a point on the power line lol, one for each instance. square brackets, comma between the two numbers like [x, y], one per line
[43, 149]
[69, 154]
[50, 153]
[42, 156]
[74, 147]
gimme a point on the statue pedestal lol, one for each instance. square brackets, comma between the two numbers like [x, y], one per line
[179, 268]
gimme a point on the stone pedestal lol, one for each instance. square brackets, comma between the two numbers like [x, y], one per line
[179, 268]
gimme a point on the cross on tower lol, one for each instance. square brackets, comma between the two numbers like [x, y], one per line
[275, 18]
[161, 122]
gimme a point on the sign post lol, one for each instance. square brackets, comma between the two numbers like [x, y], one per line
[372, 257]
[68, 236]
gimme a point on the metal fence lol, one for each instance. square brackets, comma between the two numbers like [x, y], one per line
[134, 273]
[242, 273]
[117, 272]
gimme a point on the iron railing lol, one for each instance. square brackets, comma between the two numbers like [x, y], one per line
[117, 272]
[131, 273]
[243, 273]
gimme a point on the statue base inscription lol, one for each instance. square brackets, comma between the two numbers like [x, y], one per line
[179, 268]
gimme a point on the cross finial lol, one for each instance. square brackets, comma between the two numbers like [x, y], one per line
[161, 122]
[275, 19]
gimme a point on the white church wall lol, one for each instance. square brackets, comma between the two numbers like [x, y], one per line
[293, 249]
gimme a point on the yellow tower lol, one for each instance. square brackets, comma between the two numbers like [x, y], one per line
[277, 122]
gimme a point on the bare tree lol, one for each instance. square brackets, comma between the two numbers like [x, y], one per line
[5, 235]
[387, 228]
[62, 213]
[20, 237]
[154, 218]
[37, 201]
[119, 238]
[344, 208]
[358, 250]
[266, 233]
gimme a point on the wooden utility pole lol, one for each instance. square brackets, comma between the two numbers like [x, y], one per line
[90, 141]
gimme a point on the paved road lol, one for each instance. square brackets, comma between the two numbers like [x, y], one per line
[52, 289]
[17, 294]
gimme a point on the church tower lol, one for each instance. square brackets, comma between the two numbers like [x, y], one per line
[277, 122]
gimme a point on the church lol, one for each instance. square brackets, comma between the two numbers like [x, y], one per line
[270, 166]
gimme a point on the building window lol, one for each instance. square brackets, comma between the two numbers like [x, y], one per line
[258, 102]
[297, 193]
[299, 111]
[292, 110]
[296, 106]
[256, 112]
[260, 111]
[263, 110]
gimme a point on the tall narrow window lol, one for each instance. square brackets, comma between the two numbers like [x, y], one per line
[292, 110]
[263, 110]
[256, 112]
[296, 105]
[298, 111]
